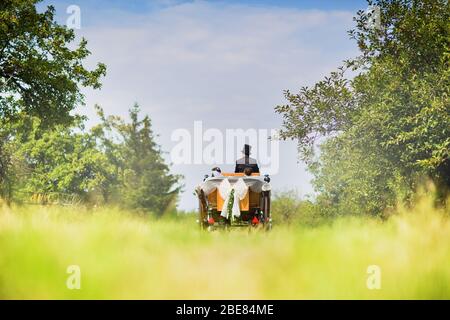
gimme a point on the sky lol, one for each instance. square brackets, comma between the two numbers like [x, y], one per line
[224, 63]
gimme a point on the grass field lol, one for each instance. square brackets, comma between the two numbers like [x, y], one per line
[126, 257]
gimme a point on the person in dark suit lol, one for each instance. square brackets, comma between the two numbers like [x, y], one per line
[246, 161]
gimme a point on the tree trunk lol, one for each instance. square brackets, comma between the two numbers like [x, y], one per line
[5, 184]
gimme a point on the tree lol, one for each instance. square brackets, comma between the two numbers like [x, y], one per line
[60, 162]
[145, 179]
[389, 124]
[40, 75]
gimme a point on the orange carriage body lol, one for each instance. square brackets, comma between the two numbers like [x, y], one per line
[251, 199]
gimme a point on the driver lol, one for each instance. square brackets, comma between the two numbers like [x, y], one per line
[246, 161]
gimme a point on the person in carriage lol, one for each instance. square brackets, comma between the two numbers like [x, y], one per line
[246, 161]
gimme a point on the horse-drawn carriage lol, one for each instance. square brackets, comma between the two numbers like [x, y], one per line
[234, 200]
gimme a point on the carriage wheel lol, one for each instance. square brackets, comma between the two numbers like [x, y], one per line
[266, 210]
[203, 210]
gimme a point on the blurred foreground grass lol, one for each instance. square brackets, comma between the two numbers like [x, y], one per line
[125, 257]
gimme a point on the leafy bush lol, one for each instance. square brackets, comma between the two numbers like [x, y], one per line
[288, 208]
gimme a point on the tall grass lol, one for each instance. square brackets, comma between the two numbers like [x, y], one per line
[125, 256]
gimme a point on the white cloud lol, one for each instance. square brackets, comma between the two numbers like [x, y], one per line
[224, 64]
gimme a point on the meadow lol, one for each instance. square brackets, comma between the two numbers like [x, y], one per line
[125, 256]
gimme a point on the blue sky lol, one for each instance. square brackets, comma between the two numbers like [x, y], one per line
[96, 8]
[223, 63]
[148, 5]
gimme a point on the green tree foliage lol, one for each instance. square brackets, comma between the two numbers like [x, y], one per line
[390, 123]
[115, 162]
[58, 162]
[40, 72]
[146, 182]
